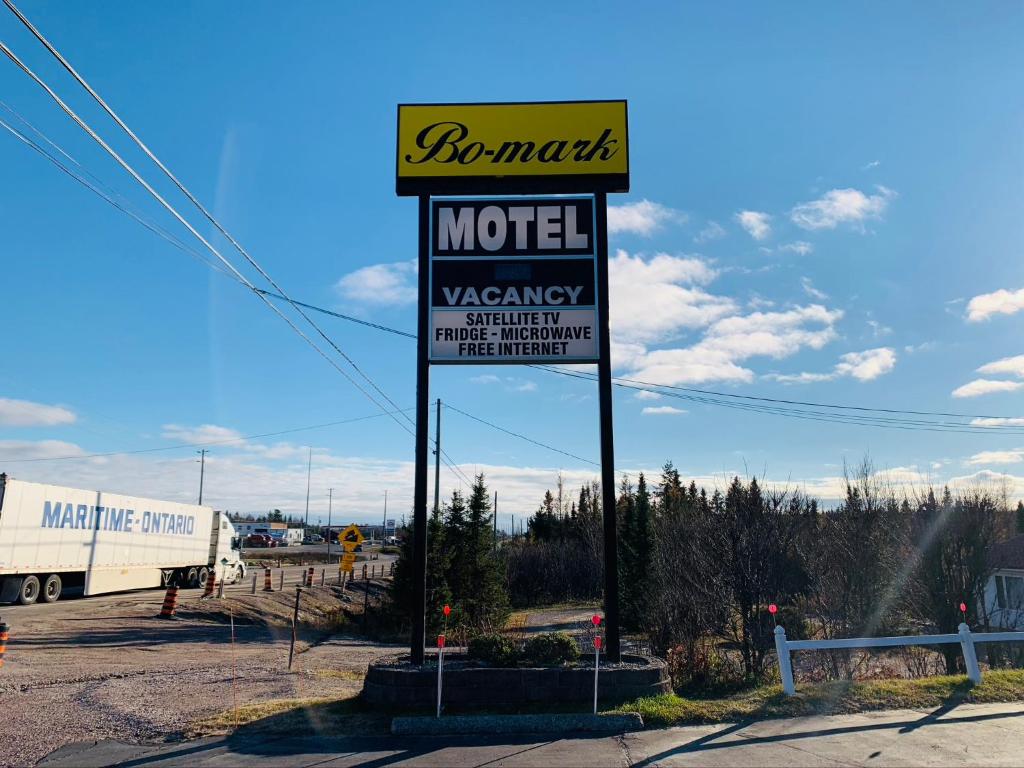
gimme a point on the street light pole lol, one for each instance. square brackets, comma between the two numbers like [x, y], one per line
[330, 504]
[202, 471]
[384, 527]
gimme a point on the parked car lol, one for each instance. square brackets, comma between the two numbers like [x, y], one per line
[313, 539]
[259, 540]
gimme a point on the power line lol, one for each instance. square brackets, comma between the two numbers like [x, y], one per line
[184, 190]
[167, 206]
[148, 224]
[620, 381]
[195, 201]
[156, 229]
[492, 425]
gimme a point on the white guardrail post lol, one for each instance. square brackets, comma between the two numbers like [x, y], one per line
[970, 656]
[785, 666]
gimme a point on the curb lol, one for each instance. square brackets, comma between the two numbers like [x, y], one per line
[491, 724]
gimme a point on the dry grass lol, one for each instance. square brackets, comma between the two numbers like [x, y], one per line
[829, 699]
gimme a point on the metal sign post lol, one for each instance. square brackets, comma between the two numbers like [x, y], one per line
[513, 279]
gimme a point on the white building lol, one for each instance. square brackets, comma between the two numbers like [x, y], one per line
[1004, 593]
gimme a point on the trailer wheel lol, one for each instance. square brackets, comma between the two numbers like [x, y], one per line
[29, 590]
[51, 588]
[192, 577]
[204, 574]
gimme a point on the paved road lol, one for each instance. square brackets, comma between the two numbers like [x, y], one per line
[968, 735]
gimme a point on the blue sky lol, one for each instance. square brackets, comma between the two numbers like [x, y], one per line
[826, 205]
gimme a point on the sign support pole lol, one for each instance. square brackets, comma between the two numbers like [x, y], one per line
[419, 525]
[604, 389]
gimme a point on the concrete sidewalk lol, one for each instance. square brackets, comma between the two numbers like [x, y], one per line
[967, 735]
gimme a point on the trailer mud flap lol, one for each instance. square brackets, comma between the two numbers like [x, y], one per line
[9, 588]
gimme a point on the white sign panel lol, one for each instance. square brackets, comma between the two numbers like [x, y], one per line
[513, 280]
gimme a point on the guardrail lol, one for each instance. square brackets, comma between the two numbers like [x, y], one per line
[964, 637]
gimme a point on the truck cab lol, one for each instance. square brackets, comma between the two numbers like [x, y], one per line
[226, 550]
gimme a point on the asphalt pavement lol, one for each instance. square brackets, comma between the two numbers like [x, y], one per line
[966, 735]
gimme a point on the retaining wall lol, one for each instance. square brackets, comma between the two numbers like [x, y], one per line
[402, 686]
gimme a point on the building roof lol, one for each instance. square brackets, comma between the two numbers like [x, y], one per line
[1009, 553]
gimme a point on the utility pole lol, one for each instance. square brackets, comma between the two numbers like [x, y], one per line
[202, 471]
[309, 470]
[384, 527]
[437, 461]
[330, 504]
[495, 520]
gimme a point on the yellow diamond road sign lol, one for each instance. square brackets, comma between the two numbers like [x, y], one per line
[351, 538]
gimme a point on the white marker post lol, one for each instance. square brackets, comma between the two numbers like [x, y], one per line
[596, 621]
[440, 666]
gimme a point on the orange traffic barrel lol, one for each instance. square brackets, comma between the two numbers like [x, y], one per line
[211, 583]
[3, 642]
[267, 585]
[170, 603]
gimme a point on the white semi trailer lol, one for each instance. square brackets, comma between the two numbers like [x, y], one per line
[54, 538]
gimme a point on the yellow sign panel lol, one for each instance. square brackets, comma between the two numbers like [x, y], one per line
[574, 146]
[351, 537]
[345, 568]
[348, 558]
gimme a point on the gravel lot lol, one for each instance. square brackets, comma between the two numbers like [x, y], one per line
[106, 667]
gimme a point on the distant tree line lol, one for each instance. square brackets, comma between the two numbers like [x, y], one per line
[698, 571]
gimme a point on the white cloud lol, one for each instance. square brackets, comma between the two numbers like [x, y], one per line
[511, 383]
[381, 284]
[878, 330]
[1001, 302]
[986, 387]
[1013, 366]
[14, 450]
[811, 291]
[924, 346]
[839, 206]
[205, 433]
[646, 394]
[863, 366]
[25, 413]
[732, 340]
[867, 365]
[662, 410]
[652, 299]
[992, 421]
[756, 223]
[872, 164]
[642, 218]
[799, 247]
[712, 231]
[997, 457]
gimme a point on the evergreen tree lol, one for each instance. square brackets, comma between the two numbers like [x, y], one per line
[543, 526]
[1020, 517]
[438, 567]
[484, 599]
[635, 554]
